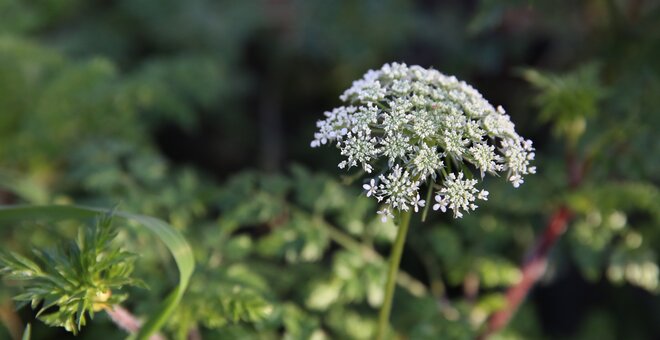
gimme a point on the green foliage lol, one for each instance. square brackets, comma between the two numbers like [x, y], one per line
[38, 84]
[250, 272]
[160, 106]
[220, 307]
[614, 235]
[567, 100]
[74, 281]
[173, 240]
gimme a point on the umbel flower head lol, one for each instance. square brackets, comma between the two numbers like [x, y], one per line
[409, 126]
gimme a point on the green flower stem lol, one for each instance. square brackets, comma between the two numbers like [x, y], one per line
[347, 180]
[395, 259]
[405, 280]
[428, 202]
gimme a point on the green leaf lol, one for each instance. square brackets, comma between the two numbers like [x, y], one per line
[174, 241]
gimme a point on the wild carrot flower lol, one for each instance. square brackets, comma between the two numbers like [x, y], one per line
[409, 127]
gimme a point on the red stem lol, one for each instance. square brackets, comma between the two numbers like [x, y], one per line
[532, 270]
[127, 321]
[535, 263]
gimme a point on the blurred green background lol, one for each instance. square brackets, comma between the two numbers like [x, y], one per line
[201, 112]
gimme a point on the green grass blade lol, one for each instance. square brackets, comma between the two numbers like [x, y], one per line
[174, 241]
[27, 332]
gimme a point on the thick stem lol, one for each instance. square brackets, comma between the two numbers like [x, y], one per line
[395, 259]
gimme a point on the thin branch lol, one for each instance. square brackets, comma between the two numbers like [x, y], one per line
[532, 270]
[405, 280]
[194, 334]
[536, 261]
[414, 286]
[127, 321]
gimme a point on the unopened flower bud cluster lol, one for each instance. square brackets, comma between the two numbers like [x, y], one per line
[414, 126]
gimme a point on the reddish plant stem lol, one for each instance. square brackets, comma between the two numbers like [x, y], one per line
[574, 170]
[11, 320]
[8, 315]
[127, 321]
[194, 334]
[535, 263]
[532, 270]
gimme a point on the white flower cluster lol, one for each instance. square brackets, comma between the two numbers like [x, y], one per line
[422, 123]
